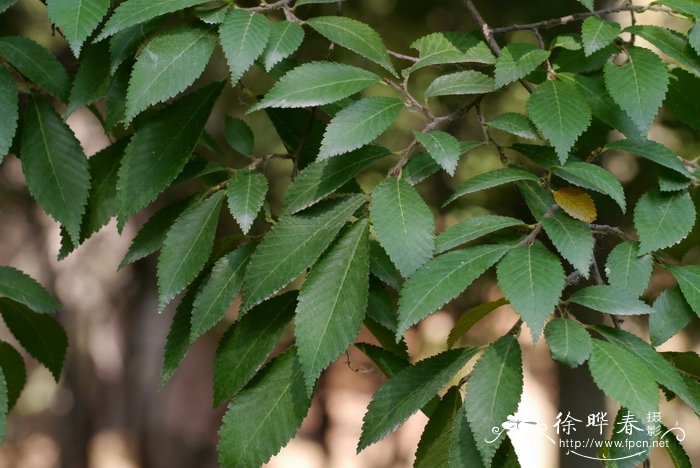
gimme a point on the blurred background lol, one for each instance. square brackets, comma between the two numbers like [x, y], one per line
[107, 411]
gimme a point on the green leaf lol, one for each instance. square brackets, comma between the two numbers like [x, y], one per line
[381, 266]
[285, 39]
[434, 446]
[380, 309]
[55, 166]
[653, 151]
[450, 47]
[115, 100]
[460, 83]
[41, 335]
[661, 370]
[4, 406]
[219, 291]
[293, 244]
[316, 84]
[491, 179]
[602, 105]
[566, 41]
[168, 65]
[321, 178]
[14, 371]
[518, 60]
[419, 167]
[627, 270]
[471, 229]
[407, 391]
[619, 373]
[36, 63]
[561, 113]
[686, 7]
[442, 147]
[239, 136]
[688, 278]
[597, 34]
[160, 149]
[4, 5]
[92, 81]
[387, 362]
[133, 12]
[568, 341]
[663, 219]
[359, 124]
[592, 177]
[609, 300]
[150, 237]
[694, 37]
[77, 19]
[588, 4]
[265, 415]
[24, 289]
[493, 392]
[639, 440]
[403, 223]
[671, 315]
[246, 345]
[177, 343]
[301, 132]
[532, 279]
[573, 239]
[332, 303]
[9, 103]
[670, 181]
[463, 451]
[442, 279]
[515, 124]
[671, 43]
[639, 86]
[471, 318]
[675, 451]
[246, 194]
[187, 247]
[243, 36]
[126, 43]
[355, 36]
[538, 200]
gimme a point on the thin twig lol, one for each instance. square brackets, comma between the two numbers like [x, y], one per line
[402, 56]
[530, 239]
[550, 23]
[599, 280]
[270, 6]
[411, 101]
[488, 136]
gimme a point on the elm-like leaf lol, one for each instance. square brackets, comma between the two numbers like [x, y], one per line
[321, 178]
[491, 179]
[403, 223]
[471, 318]
[652, 151]
[177, 342]
[134, 12]
[460, 83]
[568, 341]
[41, 335]
[265, 415]
[515, 124]
[219, 291]
[493, 392]
[407, 391]
[517, 60]
[9, 102]
[671, 43]
[285, 39]
[77, 19]
[316, 84]
[246, 344]
[627, 270]
[332, 303]
[246, 194]
[592, 177]
[623, 376]
[20, 287]
[168, 65]
[55, 166]
[572, 238]
[596, 34]
[160, 149]
[471, 229]
[293, 244]
[442, 279]
[442, 147]
[560, 113]
[355, 36]
[671, 315]
[609, 300]
[36, 63]
[434, 446]
[532, 279]
[639, 86]
[359, 124]
[688, 278]
[663, 219]
[15, 372]
[243, 36]
[450, 47]
[186, 247]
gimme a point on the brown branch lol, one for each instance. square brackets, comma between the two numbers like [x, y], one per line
[402, 56]
[271, 6]
[551, 23]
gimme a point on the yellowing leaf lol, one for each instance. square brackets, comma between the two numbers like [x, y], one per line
[576, 203]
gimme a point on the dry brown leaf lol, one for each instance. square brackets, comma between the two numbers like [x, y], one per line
[576, 203]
